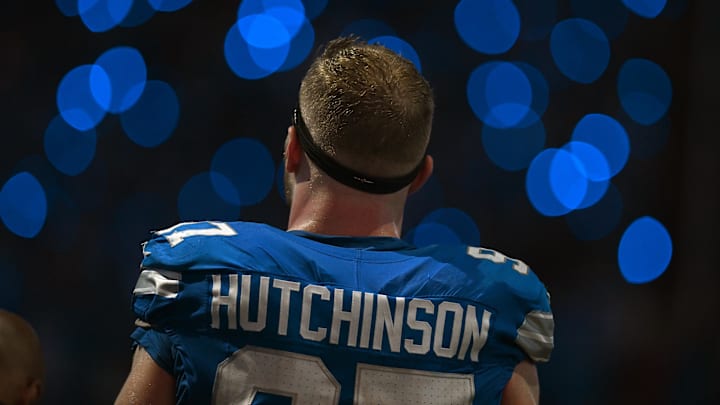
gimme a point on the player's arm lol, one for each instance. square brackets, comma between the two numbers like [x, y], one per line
[147, 383]
[523, 387]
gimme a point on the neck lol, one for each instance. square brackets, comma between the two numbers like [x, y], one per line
[344, 211]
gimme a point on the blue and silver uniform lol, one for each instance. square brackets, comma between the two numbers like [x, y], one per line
[244, 313]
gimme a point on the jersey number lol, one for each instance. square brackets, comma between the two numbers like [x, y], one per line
[175, 236]
[306, 380]
[497, 257]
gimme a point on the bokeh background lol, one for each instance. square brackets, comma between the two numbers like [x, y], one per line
[577, 135]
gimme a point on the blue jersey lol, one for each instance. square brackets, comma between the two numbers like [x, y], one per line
[244, 313]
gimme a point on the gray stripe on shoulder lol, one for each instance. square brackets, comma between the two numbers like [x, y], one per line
[535, 335]
[158, 282]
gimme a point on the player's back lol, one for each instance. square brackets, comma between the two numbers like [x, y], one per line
[243, 313]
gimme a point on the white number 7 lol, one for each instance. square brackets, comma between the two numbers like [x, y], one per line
[175, 236]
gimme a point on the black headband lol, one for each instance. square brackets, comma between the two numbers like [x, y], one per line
[344, 175]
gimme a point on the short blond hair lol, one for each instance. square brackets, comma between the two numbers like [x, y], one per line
[367, 107]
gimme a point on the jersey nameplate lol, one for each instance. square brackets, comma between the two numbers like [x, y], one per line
[416, 326]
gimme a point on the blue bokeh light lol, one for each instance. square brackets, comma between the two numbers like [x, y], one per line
[140, 13]
[254, 7]
[75, 100]
[103, 15]
[23, 205]
[264, 31]
[538, 186]
[580, 49]
[154, 117]
[240, 57]
[610, 15]
[248, 165]
[645, 90]
[513, 149]
[168, 5]
[70, 151]
[198, 200]
[69, 8]
[646, 8]
[607, 136]
[540, 94]
[596, 222]
[368, 28]
[433, 233]
[568, 179]
[488, 26]
[460, 223]
[500, 94]
[645, 250]
[300, 47]
[401, 47]
[594, 163]
[537, 18]
[125, 68]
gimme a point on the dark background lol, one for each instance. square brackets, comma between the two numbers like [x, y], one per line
[616, 342]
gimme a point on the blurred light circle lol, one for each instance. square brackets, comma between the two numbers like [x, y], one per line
[500, 94]
[251, 7]
[400, 47]
[540, 94]
[103, 15]
[139, 13]
[300, 47]
[580, 49]
[241, 58]
[597, 221]
[313, 8]
[23, 205]
[646, 8]
[154, 117]
[610, 15]
[263, 31]
[645, 251]
[198, 200]
[537, 18]
[75, 99]
[69, 8]
[70, 151]
[460, 223]
[595, 165]
[606, 135]
[290, 18]
[368, 28]
[168, 5]
[248, 165]
[595, 192]
[645, 90]
[125, 68]
[513, 149]
[568, 179]
[488, 26]
[433, 233]
[538, 186]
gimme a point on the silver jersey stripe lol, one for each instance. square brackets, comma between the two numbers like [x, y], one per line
[158, 282]
[535, 335]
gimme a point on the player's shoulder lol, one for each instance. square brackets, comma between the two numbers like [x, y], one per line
[489, 273]
[206, 245]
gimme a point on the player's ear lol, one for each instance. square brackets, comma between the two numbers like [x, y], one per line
[293, 151]
[423, 176]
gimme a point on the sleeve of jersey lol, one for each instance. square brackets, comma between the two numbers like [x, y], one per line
[535, 335]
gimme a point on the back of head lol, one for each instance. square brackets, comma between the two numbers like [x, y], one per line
[21, 364]
[367, 107]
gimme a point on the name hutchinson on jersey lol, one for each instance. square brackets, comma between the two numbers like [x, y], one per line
[351, 318]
